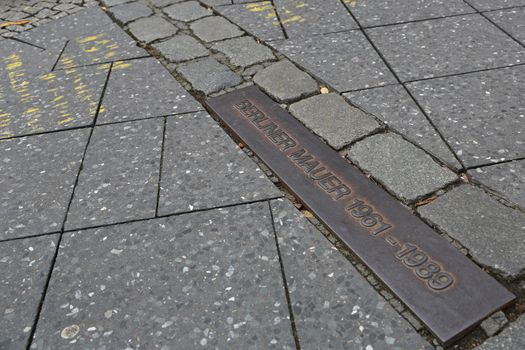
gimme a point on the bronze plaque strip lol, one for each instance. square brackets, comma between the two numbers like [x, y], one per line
[447, 291]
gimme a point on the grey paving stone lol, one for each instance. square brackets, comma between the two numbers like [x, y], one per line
[128, 12]
[258, 19]
[494, 323]
[479, 114]
[345, 60]
[215, 28]
[208, 75]
[186, 11]
[512, 21]
[143, 88]
[334, 306]
[181, 48]
[510, 339]
[402, 167]
[445, 46]
[152, 28]
[163, 3]
[508, 179]
[492, 232]
[208, 279]
[38, 174]
[284, 81]
[109, 3]
[53, 101]
[332, 118]
[302, 19]
[202, 168]
[394, 106]
[216, 2]
[244, 51]
[25, 264]
[20, 58]
[382, 12]
[484, 5]
[119, 180]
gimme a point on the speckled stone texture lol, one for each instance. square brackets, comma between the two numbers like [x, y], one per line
[258, 19]
[332, 118]
[202, 168]
[119, 180]
[394, 106]
[479, 114]
[51, 101]
[33, 60]
[301, 19]
[163, 3]
[186, 11]
[208, 279]
[151, 28]
[346, 61]
[128, 12]
[142, 89]
[181, 48]
[285, 82]
[215, 28]
[208, 75]
[38, 174]
[25, 264]
[445, 46]
[507, 179]
[400, 166]
[382, 12]
[510, 339]
[484, 5]
[244, 51]
[492, 232]
[512, 21]
[334, 306]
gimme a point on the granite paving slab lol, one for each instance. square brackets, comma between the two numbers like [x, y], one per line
[208, 75]
[510, 339]
[445, 46]
[512, 21]
[203, 168]
[38, 174]
[332, 118]
[384, 12]
[302, 19]
[345, 60]
[186, 11]
[143, 88]
[479, 114]
[119, 179]
[334, 306]
[493, 238]
[244, 52]
[23, 60]
[400, 166]
[508, 179]
[163, 3]
[151, 28]
[258, 18]
[201, 280]
[25, 264]
[484, 5]
[128, 12]
[215, 28]
[181, 48]
[52, 101]
[394, 106]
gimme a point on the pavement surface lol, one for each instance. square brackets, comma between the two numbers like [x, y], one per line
[131, 220]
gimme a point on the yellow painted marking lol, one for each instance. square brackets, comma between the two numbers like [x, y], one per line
[49, 76]
[91, 49]
[65, 121]
[89, 38]
[58, 98]
[121, 65]
[292, 19]
[258, 7]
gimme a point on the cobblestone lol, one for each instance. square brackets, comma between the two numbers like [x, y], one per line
[152, 28]
[208, 75]
[128, 12]
[244, 51]
[186, 11]
[510, 338]
[215, 28]
[181, 48]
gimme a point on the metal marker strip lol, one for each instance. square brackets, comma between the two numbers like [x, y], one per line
[446, 290]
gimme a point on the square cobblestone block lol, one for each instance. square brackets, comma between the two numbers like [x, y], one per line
[345, 60]
[128, 12]
[152, 28]
[445, 46]
[143, 88]
[244, 51]
[181, 48]
[38, 177]
[203, 168]
[492, 232]
[25, 265]
[285, 82]
[186, 11]
[400, 166]
[204, 279]
[119, 180]
[332, 118]
[208, 75]
[510, 338]
[215, 28]
[512, 21]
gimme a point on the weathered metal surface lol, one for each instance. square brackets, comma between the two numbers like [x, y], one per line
[447, 291]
